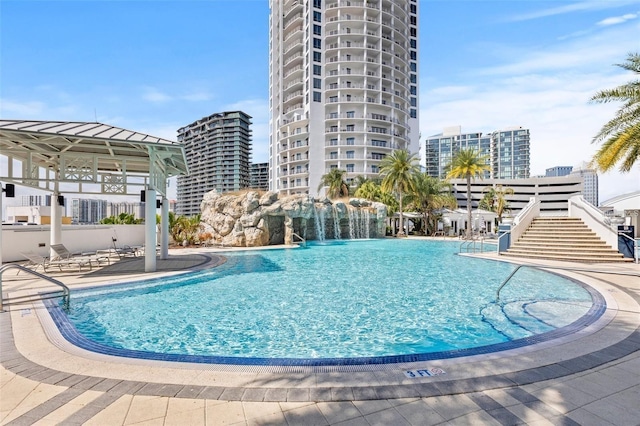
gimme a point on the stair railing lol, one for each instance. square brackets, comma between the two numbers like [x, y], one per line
[523, 219]
[594, 218]
[636, 246]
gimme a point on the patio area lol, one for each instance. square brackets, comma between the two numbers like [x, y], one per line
[589, 377]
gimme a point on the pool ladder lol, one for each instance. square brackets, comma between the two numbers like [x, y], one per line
[65, 293]
[302, 240]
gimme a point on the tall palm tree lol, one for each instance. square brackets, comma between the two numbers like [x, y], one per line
[467, 164]
[430, 194]
[622, 133]
[398, 172]
[334, 180]
[495, 200]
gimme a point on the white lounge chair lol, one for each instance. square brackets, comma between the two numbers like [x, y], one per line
[64, 257]
[34, 261]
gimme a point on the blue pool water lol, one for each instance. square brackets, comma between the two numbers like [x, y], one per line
[347, 299]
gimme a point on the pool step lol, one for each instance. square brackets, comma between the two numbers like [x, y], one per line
[563, 238]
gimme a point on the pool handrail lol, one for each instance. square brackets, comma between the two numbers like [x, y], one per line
[636, 246]
[66, 293]
[302, 240]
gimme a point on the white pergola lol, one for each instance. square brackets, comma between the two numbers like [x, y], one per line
[92, 158]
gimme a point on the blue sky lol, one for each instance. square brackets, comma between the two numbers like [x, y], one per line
[154, 66]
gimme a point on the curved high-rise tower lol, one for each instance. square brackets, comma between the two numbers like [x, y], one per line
[343, 88]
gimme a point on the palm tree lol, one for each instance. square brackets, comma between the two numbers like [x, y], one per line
[334, 180]
[398, 172]
[622, 133]
[495, 200]
[467, 164]
[429, 195]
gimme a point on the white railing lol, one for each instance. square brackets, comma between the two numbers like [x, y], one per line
[523, 219]
[595, 219]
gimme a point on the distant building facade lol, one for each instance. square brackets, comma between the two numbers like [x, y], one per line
[507, 151]
[218, 151]
[553, 192]
[590, 183]
[558, 171]
[87, 211]
[259, 176]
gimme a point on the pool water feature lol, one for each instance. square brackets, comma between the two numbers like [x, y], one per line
[368, 301]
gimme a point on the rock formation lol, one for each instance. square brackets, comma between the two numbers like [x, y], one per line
[254, 219]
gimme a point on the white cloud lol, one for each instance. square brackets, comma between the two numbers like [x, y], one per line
[546, 91]
[152, 94]
[9, 108]
[571, 8]
[618, 19]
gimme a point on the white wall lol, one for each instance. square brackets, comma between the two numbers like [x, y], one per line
[76, 238]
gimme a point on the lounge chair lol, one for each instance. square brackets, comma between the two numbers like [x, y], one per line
[64, 257]
[34, 261]
[124, 250]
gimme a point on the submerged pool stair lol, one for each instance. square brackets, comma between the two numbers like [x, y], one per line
[563, 238]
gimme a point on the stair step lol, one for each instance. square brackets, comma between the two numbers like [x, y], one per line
[564, 247]
[563, 238]
[568, 258]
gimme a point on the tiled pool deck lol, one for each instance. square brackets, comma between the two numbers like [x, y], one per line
[589, 377]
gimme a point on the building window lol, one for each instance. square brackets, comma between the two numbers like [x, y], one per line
[317, 29]
[351, 141]
[317, 97]
[413, 78]
[350, 168]
[351, 154]
[317, 4]
[414, 113]
[317, 57]
[414, 44]
[333, 142]
[351, 114]
[351, 128]
[317, 70]
[317, 16]
[317, 43]
[317, 83]
[413, 90]
[333, 155]
[413, 66]
[414, 55]
[414, 102]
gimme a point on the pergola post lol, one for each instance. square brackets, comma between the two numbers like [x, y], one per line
[150, 231]
[55, 236]
[164, 231]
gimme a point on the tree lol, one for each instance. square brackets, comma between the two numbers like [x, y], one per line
[121, 219]
[398, 172]
[431, 194]
[495, 200]
[334, 180]
[183, 228]
[467, 164]
[370, 190]
[621, 135]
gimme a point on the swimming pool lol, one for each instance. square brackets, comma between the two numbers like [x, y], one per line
[346, 302]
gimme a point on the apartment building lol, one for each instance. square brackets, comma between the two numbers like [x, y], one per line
[507, 151]
[218, 151]
[343, 88]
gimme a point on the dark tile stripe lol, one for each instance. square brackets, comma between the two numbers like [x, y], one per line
[46, 407]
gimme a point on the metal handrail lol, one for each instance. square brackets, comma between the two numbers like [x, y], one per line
[66, 293]
[302, 240]
[562, 268]
[636, 246]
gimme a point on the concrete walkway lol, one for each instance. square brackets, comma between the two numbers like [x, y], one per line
[591, 377]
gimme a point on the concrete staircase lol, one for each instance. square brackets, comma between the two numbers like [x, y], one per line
[563, 238]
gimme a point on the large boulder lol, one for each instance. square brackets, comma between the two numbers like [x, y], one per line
[254, 219]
